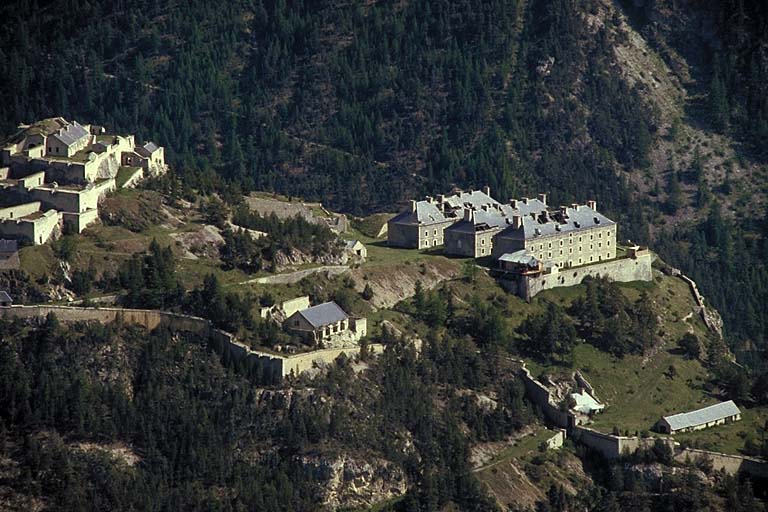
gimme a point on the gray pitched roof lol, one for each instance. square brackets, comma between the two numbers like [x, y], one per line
[8, 246]
[350, 244]
[71, 134]
[497, 216]
[575, 219]
[323, 314]
[4, 297]
[426, 213]
[521, 257]
[475, 199]
[702, 416]
[147, 149]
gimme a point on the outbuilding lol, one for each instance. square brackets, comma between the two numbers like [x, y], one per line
[318, 323]
[717, 414]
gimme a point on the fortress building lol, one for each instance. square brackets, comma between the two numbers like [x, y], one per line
[54, 172]
[423, 224]
[565, 237]
[531, 243]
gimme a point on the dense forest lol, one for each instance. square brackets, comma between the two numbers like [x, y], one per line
[112, 417]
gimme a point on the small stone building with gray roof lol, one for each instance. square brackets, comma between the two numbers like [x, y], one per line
[717, 414]
[325, 323]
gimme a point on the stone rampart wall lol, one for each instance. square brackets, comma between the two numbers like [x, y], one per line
[275, 366]
[730, 464]
[611, 446]
[621, 270]
[539, 395]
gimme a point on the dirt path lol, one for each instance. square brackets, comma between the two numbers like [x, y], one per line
[295, 277]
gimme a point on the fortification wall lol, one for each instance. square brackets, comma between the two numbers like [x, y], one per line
[622, 270]
[540, 395]
[611, 446]
[147, 318]
[77, 222]
[301, 362]
[20, 210]
[730, 464]
[274, 365]
[39, 230]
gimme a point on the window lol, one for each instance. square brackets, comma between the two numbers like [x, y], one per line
[426, 233]
[295, 323]
[599, 244]
[549, 254]
[590, 258]
[599, 235]
[482, 241]
[541, 247]
[561, 243]
[570, 251]
[591, 247]
[550, 245]
[608, 243]
[435, 232]
[561, 252]
[591, 237]
[579, 239]
[482, 251]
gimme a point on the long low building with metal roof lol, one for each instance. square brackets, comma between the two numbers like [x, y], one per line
[717, 414]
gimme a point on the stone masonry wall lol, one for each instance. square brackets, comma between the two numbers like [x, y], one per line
[621, 270]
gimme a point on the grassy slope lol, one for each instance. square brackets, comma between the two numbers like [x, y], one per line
[639, 390]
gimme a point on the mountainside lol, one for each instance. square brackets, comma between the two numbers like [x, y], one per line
[657, 109]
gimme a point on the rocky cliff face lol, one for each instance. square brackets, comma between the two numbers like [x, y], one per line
[354, 482]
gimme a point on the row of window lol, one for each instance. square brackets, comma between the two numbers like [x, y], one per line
[570, 263]
[570, 240]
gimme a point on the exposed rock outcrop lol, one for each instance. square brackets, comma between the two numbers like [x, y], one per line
[351, 482]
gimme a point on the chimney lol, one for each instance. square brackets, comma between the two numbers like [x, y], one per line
[525, 200]
[575, 206]
[413, 206]
[517, 221]
[441, 198]
[430, 199]
[513, 203]
[592, 204]
[543, 198]
[487, 190]
[469, 215]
